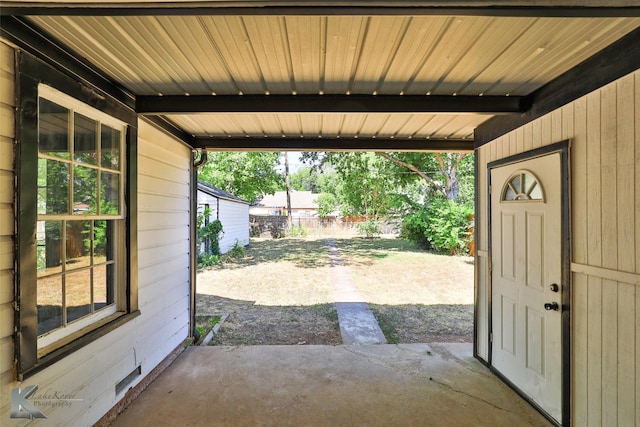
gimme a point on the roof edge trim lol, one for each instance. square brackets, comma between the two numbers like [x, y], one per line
[498, 8]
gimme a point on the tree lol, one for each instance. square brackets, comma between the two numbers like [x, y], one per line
[287, 184]
[247, 175]
[363, 186]
[440, 170]
[447, 174]
[306, 179]
[327, 203]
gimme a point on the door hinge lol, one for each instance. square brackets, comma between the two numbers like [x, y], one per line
[491, 337]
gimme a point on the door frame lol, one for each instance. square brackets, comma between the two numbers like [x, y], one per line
[563, 148]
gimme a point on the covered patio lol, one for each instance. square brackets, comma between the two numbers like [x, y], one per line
[511, 83]
[373, 385]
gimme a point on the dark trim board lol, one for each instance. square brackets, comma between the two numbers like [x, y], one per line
[30, 72]
[562, 147]
[613, 62]
[476, 239]
[566, 8]
[333, 144]
[183, 104]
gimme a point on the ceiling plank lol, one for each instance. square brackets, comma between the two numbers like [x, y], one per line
[608, 65]
[333, 144]
[549, 8]
[181, 104]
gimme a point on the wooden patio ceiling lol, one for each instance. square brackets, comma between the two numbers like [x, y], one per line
[419, 75]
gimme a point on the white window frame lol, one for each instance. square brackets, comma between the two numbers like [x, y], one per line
[58, 337]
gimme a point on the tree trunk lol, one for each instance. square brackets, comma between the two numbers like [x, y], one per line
[287, 182]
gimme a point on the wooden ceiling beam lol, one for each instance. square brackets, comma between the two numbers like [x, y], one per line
[184, 104]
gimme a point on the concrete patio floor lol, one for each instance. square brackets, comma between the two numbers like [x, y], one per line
[359, 385]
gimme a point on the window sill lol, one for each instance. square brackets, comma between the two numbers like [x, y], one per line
[53, 355]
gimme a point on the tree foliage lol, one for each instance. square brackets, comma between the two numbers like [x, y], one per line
[374, 182]
[306, 179]
[442, 171]
[327, 204]
[247, 175]
[361, 183]
[442, 225]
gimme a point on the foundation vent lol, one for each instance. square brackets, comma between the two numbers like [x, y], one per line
[122, 385]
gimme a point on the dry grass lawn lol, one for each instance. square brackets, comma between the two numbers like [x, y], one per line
[281, 292]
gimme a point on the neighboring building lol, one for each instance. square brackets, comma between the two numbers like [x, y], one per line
[303, 204]
[232, 211]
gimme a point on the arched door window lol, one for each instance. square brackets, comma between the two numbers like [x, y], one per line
[522, 185]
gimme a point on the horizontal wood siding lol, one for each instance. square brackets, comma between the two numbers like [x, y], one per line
[604, 129]
[164, 199]
[91, 373]
[235, 222]
[7, 228]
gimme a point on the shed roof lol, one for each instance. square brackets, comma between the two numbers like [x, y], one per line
[217, 192]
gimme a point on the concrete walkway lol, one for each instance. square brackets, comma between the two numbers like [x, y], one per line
[365, 385]
[357, 323]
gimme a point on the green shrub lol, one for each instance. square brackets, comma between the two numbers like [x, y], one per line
[298, 231]
[277, 233]
[236, 252]
[369, 229]
[442, 225]
[207, 260]
[415, 227]
[209, 232]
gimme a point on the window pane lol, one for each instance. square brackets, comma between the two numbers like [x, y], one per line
[48, 247]
[516, 184]
[78, 294]
[110, 203]
[84, 137]
[110, 147]
[78, 244]
[49, 301]
[53, 129]
[103, 235]
[85, 190]
[103, 286]
[53, 187]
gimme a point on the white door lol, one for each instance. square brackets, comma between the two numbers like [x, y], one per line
[526, 273]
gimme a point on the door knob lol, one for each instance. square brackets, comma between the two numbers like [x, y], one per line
[551, 306]
[554, 287]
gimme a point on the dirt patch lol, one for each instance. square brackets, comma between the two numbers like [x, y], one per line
[281, 292]
[410, 324]
[261, 325]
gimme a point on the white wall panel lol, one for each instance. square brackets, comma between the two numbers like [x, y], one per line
[604, 129]
[235, 220]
